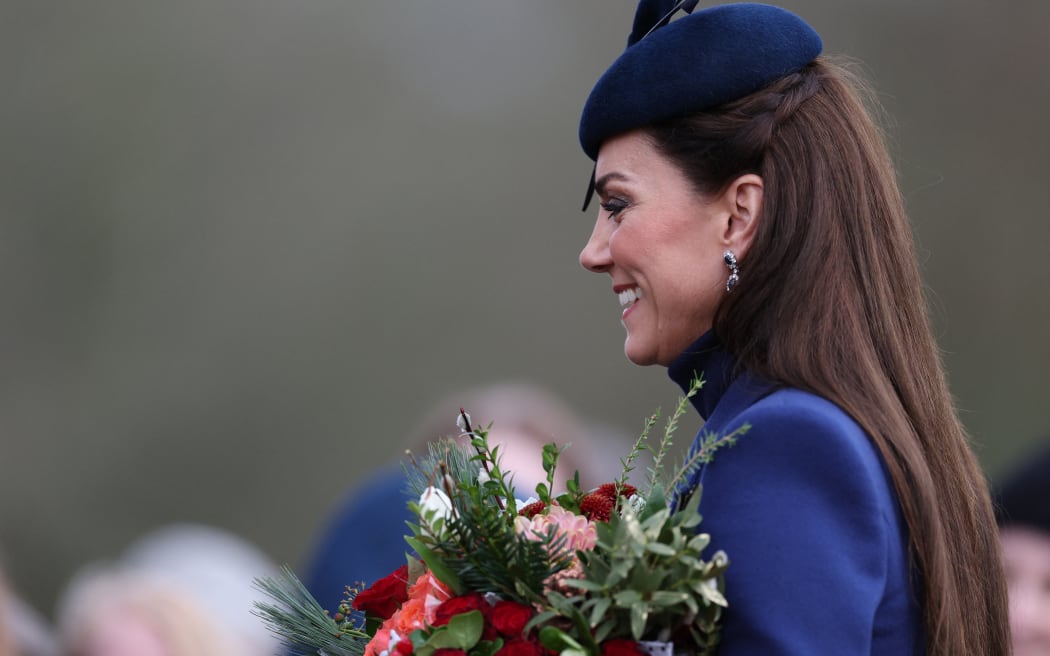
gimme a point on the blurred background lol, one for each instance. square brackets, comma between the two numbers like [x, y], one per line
[245, 245]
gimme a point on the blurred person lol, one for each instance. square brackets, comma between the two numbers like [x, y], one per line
[7, 647]
[1023, 512]
[23, 632]
[182, 590]
[363, 539]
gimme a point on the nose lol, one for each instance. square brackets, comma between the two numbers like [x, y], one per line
[595, 255]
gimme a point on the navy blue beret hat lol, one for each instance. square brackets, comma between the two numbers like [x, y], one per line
[692, 64]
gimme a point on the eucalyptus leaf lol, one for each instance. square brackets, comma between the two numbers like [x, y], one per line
[601, 606]
[628, 597]
[660, 549]
[669, 598]
[639, 614]
[583, 584]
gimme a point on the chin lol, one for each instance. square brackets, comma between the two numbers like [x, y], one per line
[640, 357]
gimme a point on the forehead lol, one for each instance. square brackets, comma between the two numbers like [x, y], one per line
[632, 155]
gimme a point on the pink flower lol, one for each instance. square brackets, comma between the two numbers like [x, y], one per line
[424, 596]
[578, 532]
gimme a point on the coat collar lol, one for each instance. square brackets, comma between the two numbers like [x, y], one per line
[727, 386]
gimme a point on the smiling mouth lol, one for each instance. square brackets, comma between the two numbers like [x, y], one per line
[629, 297]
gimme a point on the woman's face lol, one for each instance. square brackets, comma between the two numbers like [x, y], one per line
[661, 242]
[1026, 560]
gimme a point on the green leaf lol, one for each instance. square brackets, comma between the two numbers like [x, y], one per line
[555, 639]
[628, 597]
[699, 542]
[487, 647]
[437, 566]
[604, 630]
[541, 618]
[583, 584]
[660, 549]
[639, 613]
[601, 606]
[655, 502]
[542, 492]
[464, 630]
[665, 598]
[713, 595]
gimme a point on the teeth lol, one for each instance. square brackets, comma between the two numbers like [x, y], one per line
[628, 296]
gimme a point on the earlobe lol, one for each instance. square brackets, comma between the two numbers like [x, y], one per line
[744, 200]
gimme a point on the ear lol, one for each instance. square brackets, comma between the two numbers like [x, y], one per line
[743, 202]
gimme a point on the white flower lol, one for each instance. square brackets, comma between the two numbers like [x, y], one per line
[637, 503]
[434, 508]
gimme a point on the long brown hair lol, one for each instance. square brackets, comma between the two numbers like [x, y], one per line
[830, 300]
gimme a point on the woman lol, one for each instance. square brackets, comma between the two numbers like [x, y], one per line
[753, 230]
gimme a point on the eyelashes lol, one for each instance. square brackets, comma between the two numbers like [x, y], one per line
[614, 206]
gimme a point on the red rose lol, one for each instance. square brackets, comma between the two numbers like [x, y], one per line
[457, 606]
[510, 618]
[519, 647]
[385, 596]
[621, 647]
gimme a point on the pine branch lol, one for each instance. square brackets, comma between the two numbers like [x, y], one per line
[297, 618]
[488, 555]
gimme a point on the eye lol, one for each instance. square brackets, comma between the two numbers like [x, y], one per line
[614, 206]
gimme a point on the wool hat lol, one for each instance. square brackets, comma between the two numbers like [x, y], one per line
[698, 62]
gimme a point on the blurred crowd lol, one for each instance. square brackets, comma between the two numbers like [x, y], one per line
[189, 589]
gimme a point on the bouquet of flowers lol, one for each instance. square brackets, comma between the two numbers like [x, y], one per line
[606, 572]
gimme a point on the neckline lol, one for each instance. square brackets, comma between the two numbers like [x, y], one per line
[705, 358]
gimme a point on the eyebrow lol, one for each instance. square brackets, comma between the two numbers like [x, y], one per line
[602, 182]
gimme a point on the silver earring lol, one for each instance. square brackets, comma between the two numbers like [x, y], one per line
[734, 271]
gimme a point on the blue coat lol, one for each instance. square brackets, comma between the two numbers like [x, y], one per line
[803, 507]
[364, 539]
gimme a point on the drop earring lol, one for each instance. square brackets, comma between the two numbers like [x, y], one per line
[734, 271]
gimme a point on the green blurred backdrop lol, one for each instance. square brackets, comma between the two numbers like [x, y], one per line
[246, 244]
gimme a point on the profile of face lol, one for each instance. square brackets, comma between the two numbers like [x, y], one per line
[1026, 561]
[662, 244]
